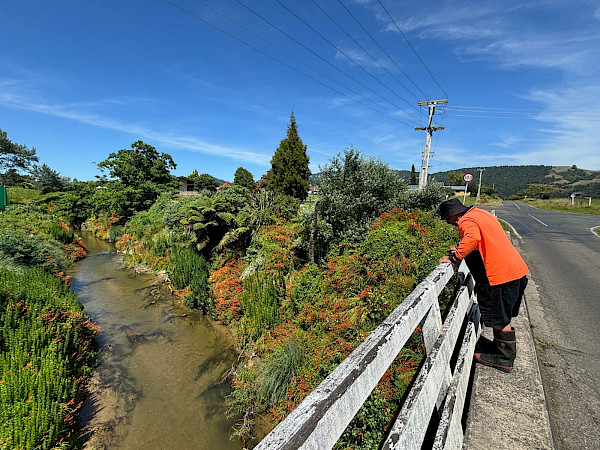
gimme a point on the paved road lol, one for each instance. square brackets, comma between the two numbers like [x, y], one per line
[563, 256]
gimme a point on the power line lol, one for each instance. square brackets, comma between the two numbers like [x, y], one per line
[413, 49]
[297, 59]
[345, 54]
[383, 50]
[542, 118]
[520, 112]
[519, 109]
[316, 54]
[362, 48]
[541, 115]
[278, 60]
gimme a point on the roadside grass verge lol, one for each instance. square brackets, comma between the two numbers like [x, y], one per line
[483, 201]
[564, 204]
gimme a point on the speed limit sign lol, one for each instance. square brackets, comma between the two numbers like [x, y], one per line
[468, 177]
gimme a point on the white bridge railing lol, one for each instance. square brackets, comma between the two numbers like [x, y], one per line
[321, 418]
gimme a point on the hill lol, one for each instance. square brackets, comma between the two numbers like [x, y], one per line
[509, 180]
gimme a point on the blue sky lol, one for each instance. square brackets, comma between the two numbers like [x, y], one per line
[79, 80]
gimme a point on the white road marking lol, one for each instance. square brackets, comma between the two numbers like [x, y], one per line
[535, 218]
[516, 205]
[515, 232]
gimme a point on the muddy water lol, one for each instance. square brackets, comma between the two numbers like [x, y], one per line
[158, 384]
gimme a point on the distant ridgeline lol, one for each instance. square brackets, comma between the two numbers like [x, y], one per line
[509, 180]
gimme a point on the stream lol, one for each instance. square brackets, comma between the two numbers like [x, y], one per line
[159, 381]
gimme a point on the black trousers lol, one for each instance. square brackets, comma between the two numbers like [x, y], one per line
[500, 303]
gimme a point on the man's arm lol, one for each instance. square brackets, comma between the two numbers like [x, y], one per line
[471, 236]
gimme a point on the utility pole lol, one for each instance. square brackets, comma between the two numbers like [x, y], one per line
[430, 129]
[481, 169]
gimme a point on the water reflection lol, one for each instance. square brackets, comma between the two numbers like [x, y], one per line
[159, 383]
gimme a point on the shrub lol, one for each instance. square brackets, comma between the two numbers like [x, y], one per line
[32, 251]
[355, 190]
[279, 370]
[426, 199]
[260, 300]
[47, 353]
[188, 268]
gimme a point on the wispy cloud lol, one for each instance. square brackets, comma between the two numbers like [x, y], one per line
[508, 140]
[77, 112]
[508, 35]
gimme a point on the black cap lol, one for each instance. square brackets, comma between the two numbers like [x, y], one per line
[451, 207]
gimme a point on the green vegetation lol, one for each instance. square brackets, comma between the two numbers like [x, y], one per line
[289, 172]
[21, 195]
[244, 178]
[141, 173]
[47, 344]
[355, 190]
[484, 200]
[300, 283]
[295, 319]
[187, 268]
[509, 181]
[205, 182]
[577, 205]
[14, 158]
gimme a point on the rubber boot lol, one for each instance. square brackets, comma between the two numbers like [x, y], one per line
[484, 345]
[504, 351]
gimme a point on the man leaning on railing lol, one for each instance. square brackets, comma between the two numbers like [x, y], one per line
[499, 273]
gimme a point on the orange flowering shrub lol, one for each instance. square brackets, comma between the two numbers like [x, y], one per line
[100, 226]
[226, 285]
[329, 310]
[277, 242]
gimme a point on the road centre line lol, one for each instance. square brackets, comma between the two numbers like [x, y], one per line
[537, 220]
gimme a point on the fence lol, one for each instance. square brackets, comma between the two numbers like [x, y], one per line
[439, 389]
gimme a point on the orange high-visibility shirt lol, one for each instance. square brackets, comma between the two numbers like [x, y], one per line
[480, 230]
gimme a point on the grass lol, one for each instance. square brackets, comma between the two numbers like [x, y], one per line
[19, 195]
[581, 205]
[483, 201]
[505, 226]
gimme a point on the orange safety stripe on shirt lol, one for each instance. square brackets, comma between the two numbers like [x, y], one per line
[480, 230]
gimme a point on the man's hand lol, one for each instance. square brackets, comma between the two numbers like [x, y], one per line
[444, 259]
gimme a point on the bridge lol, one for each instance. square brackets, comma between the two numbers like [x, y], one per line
[440, 393]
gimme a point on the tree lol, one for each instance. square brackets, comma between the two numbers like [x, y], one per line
[13, 178]
[141, 163]
[48, 180]
[289, 166]
[539, 190]
[413, 175]
[142, 175]
[244, 178]
[205, 182]
[74, 206]
[455, 178]
[354, 191]
[15, 156]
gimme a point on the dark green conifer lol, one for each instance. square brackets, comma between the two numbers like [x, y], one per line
[289, 166]
[244, 178]
[413, 175]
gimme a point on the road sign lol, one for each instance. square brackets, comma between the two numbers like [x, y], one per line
[468, 177]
